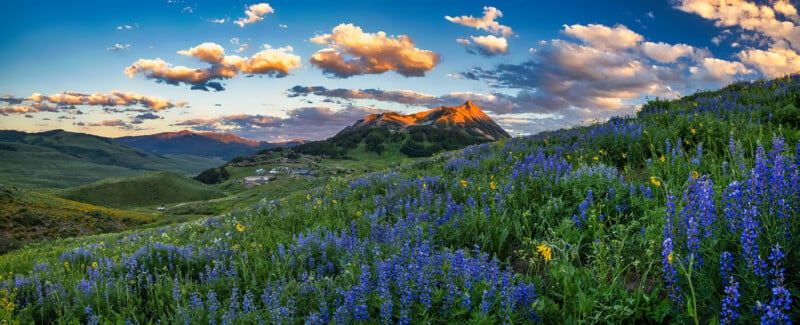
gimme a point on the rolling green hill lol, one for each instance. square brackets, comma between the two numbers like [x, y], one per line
[28, 217]
[60, 159]
[152, 188]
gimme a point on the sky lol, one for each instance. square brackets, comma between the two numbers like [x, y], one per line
[282, 69]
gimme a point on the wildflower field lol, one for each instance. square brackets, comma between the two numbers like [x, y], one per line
[685, 213]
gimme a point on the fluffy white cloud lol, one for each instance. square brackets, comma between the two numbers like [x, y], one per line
[351, 52]
[269, 61]
[487, 23]
[666, 53]
[603, 37]
[255, 13]
[772, 62]
[775, 25]
[490, 44]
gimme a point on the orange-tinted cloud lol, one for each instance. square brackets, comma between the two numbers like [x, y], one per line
[269, 61]
[255, 13]
[487, 23]
[50, 103]
[354, 52]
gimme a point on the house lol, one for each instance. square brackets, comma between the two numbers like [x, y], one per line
[251, 181]
[260, 171]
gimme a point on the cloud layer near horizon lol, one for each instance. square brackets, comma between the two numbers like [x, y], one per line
[352, 52]
[52, 103]
[310, 123]
[270, 61]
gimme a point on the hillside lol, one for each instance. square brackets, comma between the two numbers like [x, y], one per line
[29, 217]
[685, 213]
[202, 144]
[416, 135]
[59, 159]
[153, 188]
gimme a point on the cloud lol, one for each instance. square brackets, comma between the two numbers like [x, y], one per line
[490, 45]
[651, 15]
[118, 47]
[775, 25]
[283, 26]
[353, 52]
[590, 78]
[127, 27]
[148, 116]
[269, 61]
[772, 62]
[218, 20]
[242, 48]
[67, 100]
[311, 123]
[666, 53]
[487, 23]
[187, 9]
[603, 37]
[255, 13]
[496, 102]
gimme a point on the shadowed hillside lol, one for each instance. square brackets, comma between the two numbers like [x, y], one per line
[153, 188]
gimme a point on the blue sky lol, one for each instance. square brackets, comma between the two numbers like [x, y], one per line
[282, 70]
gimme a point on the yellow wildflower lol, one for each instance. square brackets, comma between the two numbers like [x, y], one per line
[95, 265]
[66, 265]
[334, 201]
[645, 132]
[546, 251]
[662, 158]
[463, 183]
[493, 185]
[624, 156]
[655, 181]
[308, 197]
[670, 257]
[596, 158]
[693, 131]
[239, 227]
[695, 174]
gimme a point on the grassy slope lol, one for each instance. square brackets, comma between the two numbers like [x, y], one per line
[408, 238]
[28, 217]
[60, 159]
[152, 188]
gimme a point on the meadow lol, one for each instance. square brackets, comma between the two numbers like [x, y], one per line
[684, 213]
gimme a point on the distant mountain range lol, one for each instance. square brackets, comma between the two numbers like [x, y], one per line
[59, 159]
[414, 135]
[467, 118]
[203, 144]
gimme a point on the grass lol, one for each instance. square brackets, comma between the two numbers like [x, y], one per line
[29, 217]
[64, 159]
[150, 189]
[685, 213]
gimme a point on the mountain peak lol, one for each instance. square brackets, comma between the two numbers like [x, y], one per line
[468, 118]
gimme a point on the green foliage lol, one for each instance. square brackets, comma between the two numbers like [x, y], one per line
[213, 176]
[153, 188]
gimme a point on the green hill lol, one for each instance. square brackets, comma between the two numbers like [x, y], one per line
[152, 188]
[29, 217]
[59, 159]
[686, 213]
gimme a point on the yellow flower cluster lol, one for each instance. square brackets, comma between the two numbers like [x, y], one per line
[239, 227]
[463, 183]
[546, 251]
[655, 181]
